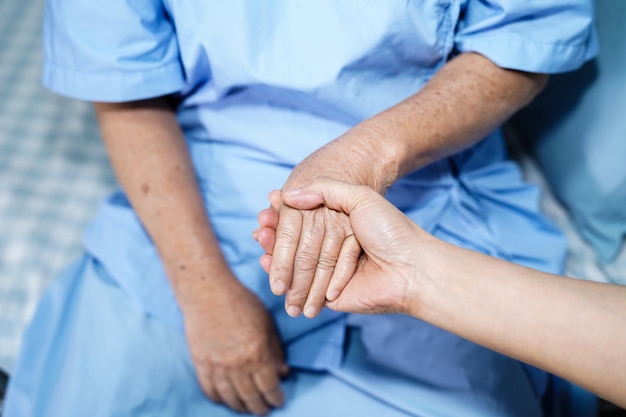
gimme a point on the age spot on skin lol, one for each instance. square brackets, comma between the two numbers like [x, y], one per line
[145, 189]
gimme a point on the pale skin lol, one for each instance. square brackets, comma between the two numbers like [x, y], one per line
[569, 327]
[236, 352]
[468, 98]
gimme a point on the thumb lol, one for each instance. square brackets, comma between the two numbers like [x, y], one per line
[336, 195]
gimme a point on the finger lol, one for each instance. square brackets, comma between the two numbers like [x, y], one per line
[266, 262]
[326, 263]
[352, 301]
[266, 237]
[275, 198]
[305, 261]
[347, 262]
[228, 394]
[268, 218]
[334, 194]
[283, 370]
[287, 239]
[250, 395]
[209, 389]
[276, 350]
[268, 384]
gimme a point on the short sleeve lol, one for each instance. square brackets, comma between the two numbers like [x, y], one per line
[545, 36]
[111, 51]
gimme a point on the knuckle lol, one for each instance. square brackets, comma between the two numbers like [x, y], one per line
[238, 362]
[203, 360]
[286, 234]
[280, 270]
[297, 295]
[317, 226]
[251, 354]
[326, 263]
[305, 262]
[250, 397]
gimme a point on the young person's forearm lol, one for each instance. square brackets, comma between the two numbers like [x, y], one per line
[150, 158]
[570, 327]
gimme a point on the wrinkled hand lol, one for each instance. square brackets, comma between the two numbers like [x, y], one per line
[316, 253]
[236, 350]
[387, 275]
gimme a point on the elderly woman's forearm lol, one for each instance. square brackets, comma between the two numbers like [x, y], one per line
[150, 158]
[464, 102]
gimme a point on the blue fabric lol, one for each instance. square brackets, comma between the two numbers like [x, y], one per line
[577, 132]
[90, 339]
[138, 58]
[261, 87]
[533, 35]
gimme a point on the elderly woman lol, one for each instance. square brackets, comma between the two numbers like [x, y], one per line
[206, 106]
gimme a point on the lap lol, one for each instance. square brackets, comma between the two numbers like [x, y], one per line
[91, 350]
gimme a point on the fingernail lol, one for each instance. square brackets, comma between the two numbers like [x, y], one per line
[294, 311]
[278, 288]
[293, 191]
[332, 296]
[310, 311]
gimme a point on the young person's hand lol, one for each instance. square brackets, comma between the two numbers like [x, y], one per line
[387, 274]
[569, 327]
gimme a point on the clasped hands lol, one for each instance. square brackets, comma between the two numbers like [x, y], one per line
[317, 265]
[311, 254]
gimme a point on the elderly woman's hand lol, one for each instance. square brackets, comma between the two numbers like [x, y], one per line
[316, 253]
[235, 348]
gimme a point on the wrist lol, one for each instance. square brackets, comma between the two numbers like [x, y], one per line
[197, 278]
[432, 275]
[366, 155]
[449, 286]
[381, 153]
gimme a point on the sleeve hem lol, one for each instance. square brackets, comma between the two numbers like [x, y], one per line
[114, 86]
[547, 58]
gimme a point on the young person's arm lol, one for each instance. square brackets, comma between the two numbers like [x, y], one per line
[234, 345]
[572, 328]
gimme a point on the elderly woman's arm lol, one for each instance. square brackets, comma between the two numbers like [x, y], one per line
[236, 352]
[315, 252]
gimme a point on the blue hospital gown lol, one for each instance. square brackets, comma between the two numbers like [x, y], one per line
[260, 86]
